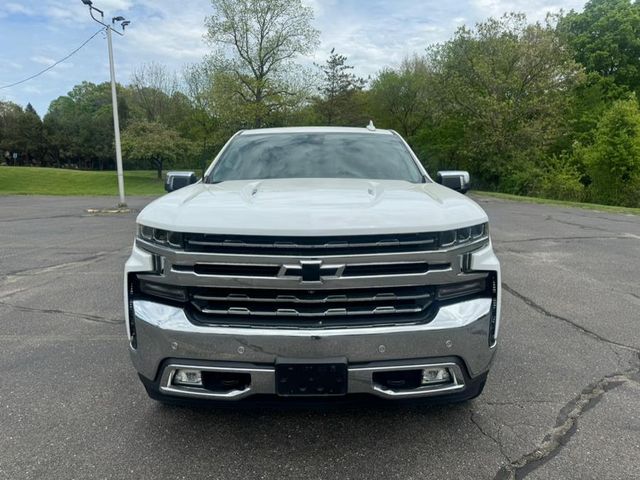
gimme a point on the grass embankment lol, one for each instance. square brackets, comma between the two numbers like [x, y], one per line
[59, 181]
[564, 203]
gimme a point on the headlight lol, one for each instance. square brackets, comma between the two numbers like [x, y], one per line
[160, 236]
[461, 236]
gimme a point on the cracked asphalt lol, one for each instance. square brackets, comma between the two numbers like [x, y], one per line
[562, 400]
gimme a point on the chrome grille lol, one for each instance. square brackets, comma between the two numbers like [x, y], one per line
[356, 270]
[309, 282]
[318, 307]
[310, 246]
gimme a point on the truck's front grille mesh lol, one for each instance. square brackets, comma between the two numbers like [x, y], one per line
[310, 307]
[310, 246]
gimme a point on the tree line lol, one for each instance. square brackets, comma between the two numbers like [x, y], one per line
[532, 108]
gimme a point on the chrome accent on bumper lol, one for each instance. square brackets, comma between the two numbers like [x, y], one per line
[363, 376]
[360, 380]
[262, 380]
[173, 318]
[458, 330]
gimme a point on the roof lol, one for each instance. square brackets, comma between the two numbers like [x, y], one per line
[258, 131]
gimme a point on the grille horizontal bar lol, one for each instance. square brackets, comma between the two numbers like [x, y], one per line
[309, 246]
[292, 312]
[316, 305]
[372, 269]
[312, 297]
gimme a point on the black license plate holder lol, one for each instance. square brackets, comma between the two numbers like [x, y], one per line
[311, 378]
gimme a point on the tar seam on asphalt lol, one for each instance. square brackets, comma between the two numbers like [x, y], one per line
[593, 237]
[566, 426]
[575, 325]
[566, 422]
[573, 224]
[83, 316]
[33, 271]
[26, 219]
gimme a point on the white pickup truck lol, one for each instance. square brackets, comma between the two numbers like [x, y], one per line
[314, 262]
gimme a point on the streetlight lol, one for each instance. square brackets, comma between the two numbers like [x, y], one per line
[114, 98]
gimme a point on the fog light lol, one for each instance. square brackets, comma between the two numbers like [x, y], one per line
[435, 375]
[188, 377]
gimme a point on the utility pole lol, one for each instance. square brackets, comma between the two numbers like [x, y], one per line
[114, 98]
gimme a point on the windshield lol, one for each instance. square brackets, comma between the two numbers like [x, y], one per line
[316, 155]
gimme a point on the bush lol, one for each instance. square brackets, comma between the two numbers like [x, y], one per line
[612, 161]
[520, 182]
[522, 175]
[560, 180]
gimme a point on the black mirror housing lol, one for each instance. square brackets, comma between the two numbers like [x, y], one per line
[176, 180]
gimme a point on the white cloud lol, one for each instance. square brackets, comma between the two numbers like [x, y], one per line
[42, 60]
[11, 7]
[111, 5]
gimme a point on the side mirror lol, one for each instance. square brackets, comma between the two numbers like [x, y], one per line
[175, 180]
[457, 180]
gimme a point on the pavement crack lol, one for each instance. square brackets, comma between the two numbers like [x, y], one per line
[49, 268]
[489, 436]
[574, 324]
[566, 425]
[26, 219]
[520, 403]
[633, 295]
[577, 237]
[575, 224]
[83, 316]
[633, 220]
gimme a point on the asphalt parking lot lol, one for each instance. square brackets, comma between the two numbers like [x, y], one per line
[562, 401]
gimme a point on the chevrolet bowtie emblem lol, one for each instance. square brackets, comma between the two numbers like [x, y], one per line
[311, 270]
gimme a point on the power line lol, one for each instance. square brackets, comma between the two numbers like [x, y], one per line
[53, 65]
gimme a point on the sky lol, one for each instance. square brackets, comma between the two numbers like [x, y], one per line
[373, 34]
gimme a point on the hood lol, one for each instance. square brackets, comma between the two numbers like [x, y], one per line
[312, 207]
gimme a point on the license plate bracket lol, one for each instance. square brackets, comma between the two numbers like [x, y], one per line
[311, 378]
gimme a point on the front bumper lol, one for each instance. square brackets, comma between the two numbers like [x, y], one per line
[460, 336]
[456, 338]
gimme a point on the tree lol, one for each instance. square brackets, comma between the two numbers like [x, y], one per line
[400, 99]
[505, 86]
[31, 132]
[10, 141]
[605, 38]
[155, 95]
[79, 126]
[613, 159]
[152, 143]
[338, 90]
[257, 41]
[203, 119]
[21, 132]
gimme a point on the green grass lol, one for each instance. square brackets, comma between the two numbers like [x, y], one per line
[564, 203]
[59, 181]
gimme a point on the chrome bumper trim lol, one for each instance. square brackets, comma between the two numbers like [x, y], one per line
[364, 377]
[262, 380]
[360, 380]
[450, 316]
[458, 330]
